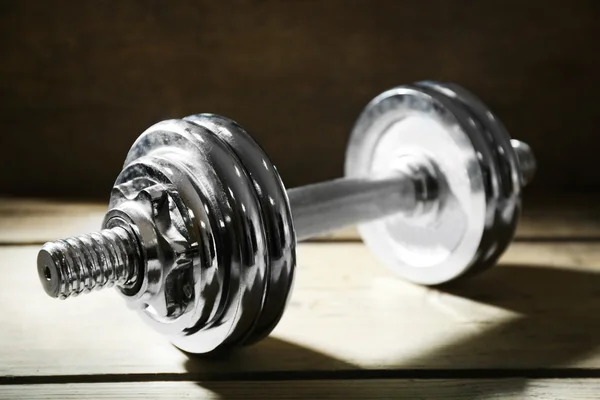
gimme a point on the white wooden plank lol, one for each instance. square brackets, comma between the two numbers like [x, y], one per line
[39, 221]
[484, 389]
[538, 310]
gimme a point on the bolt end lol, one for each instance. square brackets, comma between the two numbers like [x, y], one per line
[48, 271]
[526, 160]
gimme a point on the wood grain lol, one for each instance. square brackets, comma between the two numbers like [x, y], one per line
[76, 94]
[538, 310]
[483, 389]
[33, 221]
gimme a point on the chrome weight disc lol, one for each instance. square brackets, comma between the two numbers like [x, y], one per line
[473, 216]
[227, 241]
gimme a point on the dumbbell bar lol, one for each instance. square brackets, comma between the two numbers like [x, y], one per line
[200, 239]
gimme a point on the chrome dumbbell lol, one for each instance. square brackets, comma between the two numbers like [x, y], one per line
[200, 236]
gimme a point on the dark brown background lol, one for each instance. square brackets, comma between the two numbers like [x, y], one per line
[79, 80]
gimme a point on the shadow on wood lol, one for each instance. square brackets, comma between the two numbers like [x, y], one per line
[557, 329]
[555, 334]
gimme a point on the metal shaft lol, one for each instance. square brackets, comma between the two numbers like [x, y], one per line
[327, 206]
[324, 207]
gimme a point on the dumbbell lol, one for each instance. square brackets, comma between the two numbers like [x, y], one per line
[200, 236]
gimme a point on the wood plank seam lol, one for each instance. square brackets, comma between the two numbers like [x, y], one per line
[264, 376]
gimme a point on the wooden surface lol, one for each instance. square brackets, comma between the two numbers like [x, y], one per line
[528, 328]
[79, 80]
[454, 389]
